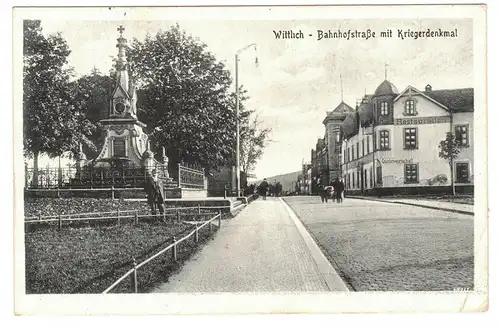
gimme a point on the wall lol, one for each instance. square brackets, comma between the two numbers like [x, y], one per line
[466, 153]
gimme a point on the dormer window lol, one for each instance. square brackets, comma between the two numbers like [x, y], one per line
[410, 108]
[384, 108]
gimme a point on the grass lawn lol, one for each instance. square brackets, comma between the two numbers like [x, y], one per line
[88, 260]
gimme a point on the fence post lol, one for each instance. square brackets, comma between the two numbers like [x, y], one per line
[174, 249]
[179, 175]
[178, 216]
[118, 217]
[113, 191]
[199, 209]
[60, 222]
[196, 234]
[136, 217]
[220, 216]
[69, 175]
[210, 226]
[134, 277]
[26, 181]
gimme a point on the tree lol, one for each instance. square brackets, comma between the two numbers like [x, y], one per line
[53, 122]
[449, 150]
[184, 98]
[253, 141]
[92, 94]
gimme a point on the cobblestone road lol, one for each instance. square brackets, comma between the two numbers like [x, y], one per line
[390, 247]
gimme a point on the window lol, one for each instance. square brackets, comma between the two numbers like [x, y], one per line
[368, 144]
[462, 135]
[357, 150]
[337, 137]
[363, 146]
[365, 178]
[353, 181]
[410, 135]
[352, 153]
[411, 173]
[384, 108]
[384, 140]
[462, 170]
[357, 179]
[410, 108]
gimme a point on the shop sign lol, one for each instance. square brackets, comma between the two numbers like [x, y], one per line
[397, 161]
[422, 120]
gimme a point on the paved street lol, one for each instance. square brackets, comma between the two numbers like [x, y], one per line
[260, 250]
[382, 246]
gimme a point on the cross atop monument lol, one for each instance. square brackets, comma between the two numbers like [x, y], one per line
[121, 29]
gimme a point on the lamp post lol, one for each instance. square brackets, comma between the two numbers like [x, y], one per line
[236, 59]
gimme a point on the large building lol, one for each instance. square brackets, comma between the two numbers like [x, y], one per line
[390, 142]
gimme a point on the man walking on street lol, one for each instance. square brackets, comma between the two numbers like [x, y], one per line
[263, 187]
[338, 187]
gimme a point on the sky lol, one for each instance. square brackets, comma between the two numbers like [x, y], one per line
[297, 80]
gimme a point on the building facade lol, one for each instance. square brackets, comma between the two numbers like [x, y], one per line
[326, 158]
[390, 143]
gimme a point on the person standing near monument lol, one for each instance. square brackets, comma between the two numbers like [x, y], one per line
[156, 196]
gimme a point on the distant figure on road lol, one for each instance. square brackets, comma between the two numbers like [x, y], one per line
[325, 193]
[338, 187]
[156, 196]
[263, 187]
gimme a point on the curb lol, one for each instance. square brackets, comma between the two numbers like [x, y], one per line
[330, 276]
[414, 204]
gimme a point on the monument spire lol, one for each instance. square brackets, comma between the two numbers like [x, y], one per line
[121, 60]
[385, 69]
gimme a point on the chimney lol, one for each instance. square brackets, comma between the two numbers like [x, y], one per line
[428, 88]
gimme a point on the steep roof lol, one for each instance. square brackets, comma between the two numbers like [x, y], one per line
[365, 111]
[457, 100]
[386, 88]
[350, 125]
[343, 108]
[339, 112]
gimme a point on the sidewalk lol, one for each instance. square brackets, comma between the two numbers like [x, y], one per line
[437, 205]
[262, 249]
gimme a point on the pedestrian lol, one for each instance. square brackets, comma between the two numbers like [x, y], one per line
[324, 192]
[156, 197]
[338, 187]
[263, 188]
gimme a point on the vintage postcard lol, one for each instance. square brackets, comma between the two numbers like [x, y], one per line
[245, 160]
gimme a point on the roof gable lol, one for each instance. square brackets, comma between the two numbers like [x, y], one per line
[410, 90]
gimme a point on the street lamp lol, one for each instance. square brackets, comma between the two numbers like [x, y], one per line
[236, 59]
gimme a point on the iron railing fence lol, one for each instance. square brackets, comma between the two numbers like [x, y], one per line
[172, 214]
[133, 272]
[191, 177]
[106, 178]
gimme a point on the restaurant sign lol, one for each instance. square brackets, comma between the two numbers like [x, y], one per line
[397, 161]
[422, 120]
